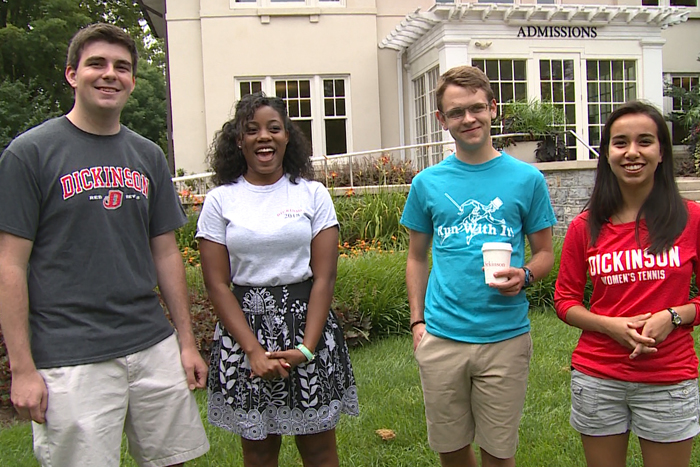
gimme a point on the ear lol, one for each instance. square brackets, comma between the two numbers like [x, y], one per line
[493, 108]
[441, 119]
[70, 76]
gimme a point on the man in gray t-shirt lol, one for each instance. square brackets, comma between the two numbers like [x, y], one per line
[86, 235]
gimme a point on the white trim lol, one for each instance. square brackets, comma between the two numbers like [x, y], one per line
[284, 4]
[418, 24]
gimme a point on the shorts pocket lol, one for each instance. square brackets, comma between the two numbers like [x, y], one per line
[683, 399]
[584, 398]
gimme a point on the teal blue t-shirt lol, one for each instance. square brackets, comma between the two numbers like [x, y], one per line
[463, 206]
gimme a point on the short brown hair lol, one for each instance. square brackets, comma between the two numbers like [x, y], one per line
[469, 77]
[100, 32]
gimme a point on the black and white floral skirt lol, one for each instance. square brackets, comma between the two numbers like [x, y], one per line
[310, 400]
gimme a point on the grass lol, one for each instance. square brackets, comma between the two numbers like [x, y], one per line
[390, 397]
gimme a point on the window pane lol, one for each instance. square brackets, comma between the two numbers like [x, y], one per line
[245, 89]
[557, 92]
[340, 107]
[593, 114]
[520, 91]
[492, 69]
[630, 70]
[293, 108]
[480, 64]
[544, 70]
[339, 88]
[557, 72]
[305, 127]
[506, 69]
[304, 88]
[684, 3]
[593, 92]
[329, 110]
[519, 66]
[631, 92]
[328, 88]
[305, 108]
[293, 89]
[591, 70]
[619, 92]
[570, 92]
[604, 68]
[506, 92]
[569, 70]
[546, 91]
[617, 70]
[336, 140]
[281, 89]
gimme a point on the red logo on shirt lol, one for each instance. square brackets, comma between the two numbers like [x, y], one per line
[113, 200]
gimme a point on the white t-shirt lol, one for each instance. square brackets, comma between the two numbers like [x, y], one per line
[267, 229]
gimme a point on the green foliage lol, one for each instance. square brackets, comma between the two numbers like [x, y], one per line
[145, 112]
[185, 235]
[21, 108]
[372, 216]
[542, 121]
[689, 117]
[374, 285]
[368, 171]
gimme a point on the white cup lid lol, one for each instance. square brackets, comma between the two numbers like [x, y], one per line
[497, 246]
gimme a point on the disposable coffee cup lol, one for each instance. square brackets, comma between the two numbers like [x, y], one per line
[496, 258]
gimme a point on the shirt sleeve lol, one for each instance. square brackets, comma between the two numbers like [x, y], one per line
[324, 212]
[573, 268]
[541, 214]
[167, 213]
[694, 223]
[211, 224]
[415, 213]
[20, 196]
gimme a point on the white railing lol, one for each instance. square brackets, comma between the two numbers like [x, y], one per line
[373, 167]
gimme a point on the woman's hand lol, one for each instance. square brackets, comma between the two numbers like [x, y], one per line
[657, 327]
[266, 368]
[288, 358]
[624, 330]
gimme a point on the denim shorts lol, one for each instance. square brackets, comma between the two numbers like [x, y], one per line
[654, 412]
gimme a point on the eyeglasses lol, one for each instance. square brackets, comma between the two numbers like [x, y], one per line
[458, 112]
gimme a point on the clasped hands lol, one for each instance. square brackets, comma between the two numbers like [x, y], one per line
[641, 333]
[273, 365]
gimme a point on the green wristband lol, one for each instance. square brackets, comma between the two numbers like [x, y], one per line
[307, 353]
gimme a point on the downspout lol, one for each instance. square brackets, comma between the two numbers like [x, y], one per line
[399, 87]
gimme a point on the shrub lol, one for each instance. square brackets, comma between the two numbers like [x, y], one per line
[372, 217]
[368, 171]
[374, 285]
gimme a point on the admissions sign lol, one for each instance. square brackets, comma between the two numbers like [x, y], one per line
[549, 32]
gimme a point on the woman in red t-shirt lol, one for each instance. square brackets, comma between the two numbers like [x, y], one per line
[635, 367]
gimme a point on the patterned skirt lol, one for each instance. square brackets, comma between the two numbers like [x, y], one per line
[310, 400]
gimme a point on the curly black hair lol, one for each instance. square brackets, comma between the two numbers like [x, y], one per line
[226, 157]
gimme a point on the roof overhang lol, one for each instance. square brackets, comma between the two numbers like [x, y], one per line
[415, 25]
[154, 12]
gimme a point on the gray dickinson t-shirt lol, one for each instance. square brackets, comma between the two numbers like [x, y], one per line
[90, 204]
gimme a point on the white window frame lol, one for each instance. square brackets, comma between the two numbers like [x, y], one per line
[318, 127]
[287, 3]
[426, 156]
[668, 100]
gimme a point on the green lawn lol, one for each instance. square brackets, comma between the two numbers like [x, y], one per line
[390, 397]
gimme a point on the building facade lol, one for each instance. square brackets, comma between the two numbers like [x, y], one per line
[360, 75]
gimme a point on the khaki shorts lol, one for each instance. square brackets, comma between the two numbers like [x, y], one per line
[474, 392]
[144, 394]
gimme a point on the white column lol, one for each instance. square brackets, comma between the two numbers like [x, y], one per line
[651, 71]
[452, 52]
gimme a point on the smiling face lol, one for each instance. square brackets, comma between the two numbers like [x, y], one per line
[634, 151]
[264, 141]
[467, 115]
[103, 80]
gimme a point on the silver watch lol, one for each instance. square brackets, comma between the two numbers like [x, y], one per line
[675, 317]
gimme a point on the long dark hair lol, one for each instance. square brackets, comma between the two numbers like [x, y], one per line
[226, 158]
[664, 210]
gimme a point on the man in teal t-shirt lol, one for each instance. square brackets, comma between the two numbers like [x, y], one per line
[472, 339]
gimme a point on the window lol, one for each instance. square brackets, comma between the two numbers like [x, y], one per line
[427, 125]
[688, 3]
[610, 83]
[680, 131]
[287, 3]
[317, 105]
[508, 81]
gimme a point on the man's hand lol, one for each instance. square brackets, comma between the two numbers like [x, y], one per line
[195, 367]
[30, 395]
[418, 332]
[514, 283]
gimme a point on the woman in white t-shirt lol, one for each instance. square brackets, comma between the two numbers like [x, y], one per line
[279, 362]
